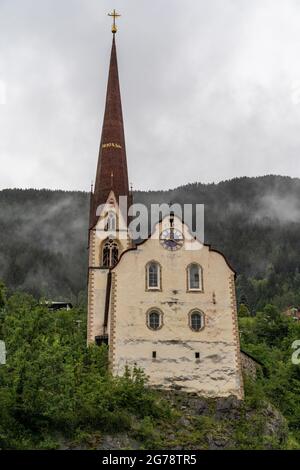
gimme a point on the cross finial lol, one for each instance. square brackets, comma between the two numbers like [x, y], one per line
[115, 15]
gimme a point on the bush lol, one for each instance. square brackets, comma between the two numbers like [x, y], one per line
[53, 381]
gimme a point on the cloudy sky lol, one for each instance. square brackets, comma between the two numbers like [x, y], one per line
[210, 89]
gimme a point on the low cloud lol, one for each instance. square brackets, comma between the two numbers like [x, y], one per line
[210, 90]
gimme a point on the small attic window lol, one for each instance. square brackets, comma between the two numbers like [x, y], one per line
[111, 222]
[171, 220]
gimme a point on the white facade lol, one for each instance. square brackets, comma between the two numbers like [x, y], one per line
[205, 360]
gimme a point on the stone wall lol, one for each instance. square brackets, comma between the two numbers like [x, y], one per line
[249, 365]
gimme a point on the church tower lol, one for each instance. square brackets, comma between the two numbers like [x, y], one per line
[108, 234]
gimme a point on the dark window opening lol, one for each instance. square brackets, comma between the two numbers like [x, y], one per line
[114, 255]
[106, 257]
[103, 339]
[153, 354]
[197, 355]
[110, 254]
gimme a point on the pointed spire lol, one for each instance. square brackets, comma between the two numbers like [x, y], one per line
[91, 218]
[112, 153]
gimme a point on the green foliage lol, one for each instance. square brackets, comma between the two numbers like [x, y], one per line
[55, 389]
[251, 427]
[53, 381]
[243, 311]
[146, 432]
[270, 326]
[254, 393]
[279, 288]
[269, 337]
[3, 294]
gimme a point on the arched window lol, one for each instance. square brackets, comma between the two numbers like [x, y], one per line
[154, 319]
[196, 320]
[195, 277]
[106, 255]
[114, 254]
[153, 275]
[111, 222]
[110, 253]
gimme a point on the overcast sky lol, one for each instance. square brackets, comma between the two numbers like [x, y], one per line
[210, 89]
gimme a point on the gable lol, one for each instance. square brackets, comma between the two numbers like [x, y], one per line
[192, 250]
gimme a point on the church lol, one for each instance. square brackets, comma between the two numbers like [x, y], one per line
[168, 310]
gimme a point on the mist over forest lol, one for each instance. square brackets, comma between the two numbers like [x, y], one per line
[255, 222]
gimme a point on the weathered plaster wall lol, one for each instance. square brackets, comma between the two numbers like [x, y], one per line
[218, 371]
[97, 279]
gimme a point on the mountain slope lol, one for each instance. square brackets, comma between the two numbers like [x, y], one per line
[255, 222]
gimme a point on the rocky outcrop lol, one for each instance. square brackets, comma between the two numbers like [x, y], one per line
[201, 423]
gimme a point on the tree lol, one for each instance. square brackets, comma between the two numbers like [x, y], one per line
[3, 294]
[271, 326]
[243, 311]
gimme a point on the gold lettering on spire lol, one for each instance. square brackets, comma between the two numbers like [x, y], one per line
[111, 145]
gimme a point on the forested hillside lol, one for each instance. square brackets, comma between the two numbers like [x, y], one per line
[254, 221]
[55, 393]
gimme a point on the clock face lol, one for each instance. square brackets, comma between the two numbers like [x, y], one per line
[171, 239]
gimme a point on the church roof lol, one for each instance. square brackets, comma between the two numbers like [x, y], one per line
[112, 163]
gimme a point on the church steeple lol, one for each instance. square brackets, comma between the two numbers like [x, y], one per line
[112, 154]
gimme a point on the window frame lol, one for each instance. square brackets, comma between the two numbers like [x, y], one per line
[157, 288]
[161, 317]
[110, 245]
[111, 219]
[202, 315]
[188, 278]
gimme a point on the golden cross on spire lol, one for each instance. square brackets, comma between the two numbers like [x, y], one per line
[115, 15]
